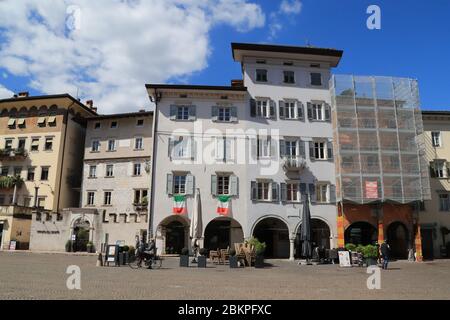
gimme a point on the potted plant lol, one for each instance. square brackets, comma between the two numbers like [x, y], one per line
[90, 247]
[260, 247]
[184, 258]
[233, 259]
[370, 254]
[350, 247]
[201, 259]
[69, 246]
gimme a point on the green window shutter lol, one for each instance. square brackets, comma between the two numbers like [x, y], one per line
[169, 184]
[283, 192]
[192, 113]
[173, 112]
[281, 109]
[275, 192]
[214, 185]
[300, 111]
[332, 193]
[253, 191]
[214, 113]
[311, 150]
[234, 185]
[252, 107]
[327, 112]
[330, 150]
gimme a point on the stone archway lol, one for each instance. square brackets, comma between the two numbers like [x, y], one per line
[275, 233]
[81, 228]
[174, 233]
[398, 238]
[320, 235]
[361, 232]
[223, 232]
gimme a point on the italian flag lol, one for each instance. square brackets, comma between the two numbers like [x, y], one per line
[223, 205]
[179, 204]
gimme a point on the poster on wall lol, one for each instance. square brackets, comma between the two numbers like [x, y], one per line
[344, 259]
[372, 189]
[12, 245]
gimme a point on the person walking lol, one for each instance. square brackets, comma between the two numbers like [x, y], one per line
[384, 250]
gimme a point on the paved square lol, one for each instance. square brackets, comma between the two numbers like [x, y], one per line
[26, 275]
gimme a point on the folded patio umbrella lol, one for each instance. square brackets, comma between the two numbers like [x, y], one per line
[196, 220]
[305, 230]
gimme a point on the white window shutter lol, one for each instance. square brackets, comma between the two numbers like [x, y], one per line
[234, 185]
[214, 185]
[192, 148]
[229, 148]
[254, 148]
[173, 112]
[189, 184]
[233, 112]
[220, 148]
[192, 113]
[273, 148]
[170, 147]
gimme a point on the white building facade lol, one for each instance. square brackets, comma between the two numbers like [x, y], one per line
[260, 145]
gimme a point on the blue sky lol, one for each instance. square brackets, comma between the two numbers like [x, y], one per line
[118, 48]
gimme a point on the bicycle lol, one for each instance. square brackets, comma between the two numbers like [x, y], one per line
[155, 262]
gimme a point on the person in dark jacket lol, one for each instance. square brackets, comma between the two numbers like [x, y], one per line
[384, 250]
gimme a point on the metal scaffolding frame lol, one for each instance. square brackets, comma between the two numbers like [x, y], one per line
[378, 140]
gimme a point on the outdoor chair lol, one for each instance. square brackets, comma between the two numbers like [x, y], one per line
[224, 255]
[240, 253]
[250, 255]
[214, 255]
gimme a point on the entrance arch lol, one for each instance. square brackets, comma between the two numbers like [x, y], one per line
[275, 233]
[174, 231]
[223, 232]
[361, 233]
[320, 235]
[81, 230]
[398, 240]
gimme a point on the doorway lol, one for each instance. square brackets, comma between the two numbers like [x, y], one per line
[398, 240]
[361, 233]
[275, 233]
[222, 233]
[427, 244]
[175, 237]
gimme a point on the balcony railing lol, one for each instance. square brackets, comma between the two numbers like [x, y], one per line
[12, 154]
[294, 163]
[143, 206]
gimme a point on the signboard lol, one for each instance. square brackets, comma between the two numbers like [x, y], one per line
[112, 253]
[74, 237]
[344, 259]
[12, 245]
[372, 189]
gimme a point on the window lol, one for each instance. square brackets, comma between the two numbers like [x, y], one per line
[30, 174]
[4, 171]
[182, 113]
[35, 144]
[8, 144]
[110, 170]
[259, 61]
[90, 198]
[138, 144]
[289, 76]
[223, 184]
[52, 121]
[263, 147]
[140, 123]
[44, 173]
[97, 125]
[436, 138]
[111, 145]
[440, 169]
[293, 192]
[41, 121]
[263, 190]
[181, 147]
[263, 108]
[21, 123]
[291, 110]
[21, 144]
[224, 114]
[319, 150]
[137, 169]
[261, 75]
[316, 79]
[113, 124]
[95, 146]
[322, 193]
[107, 198]
[48, 144]
[444, 202]
[11, 123]
[179, 184]
[291, 148]
[92, 171]
[224, 148]
[318, 111]
[140, 196]
[17, 171]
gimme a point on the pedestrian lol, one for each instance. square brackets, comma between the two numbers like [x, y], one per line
[384, 250]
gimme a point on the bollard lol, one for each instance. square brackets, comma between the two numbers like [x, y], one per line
[100, 260]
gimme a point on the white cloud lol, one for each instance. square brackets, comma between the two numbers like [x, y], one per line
[287, 8]
[5, 93]
[291, 7]
[119, 46]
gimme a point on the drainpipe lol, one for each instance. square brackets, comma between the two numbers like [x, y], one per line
[151, 233]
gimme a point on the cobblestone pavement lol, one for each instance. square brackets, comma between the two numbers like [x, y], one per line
[25, 275]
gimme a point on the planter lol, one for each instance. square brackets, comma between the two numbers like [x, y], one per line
[201, 262]
[371, 262]
[184, 261]
[233, 262]
[259, 262]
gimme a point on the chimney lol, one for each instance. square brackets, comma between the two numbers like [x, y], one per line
[90, 103]
[23, 94]
[237, 83]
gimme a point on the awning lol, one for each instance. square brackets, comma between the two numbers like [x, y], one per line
[51, 119]
[20, 122]
[11, 122]
[41, 120]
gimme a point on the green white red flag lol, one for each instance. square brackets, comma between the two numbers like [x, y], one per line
[179, 204]
[223, 205]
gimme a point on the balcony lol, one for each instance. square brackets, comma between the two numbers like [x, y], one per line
[143, 206]
[294, 163]
[13, 154]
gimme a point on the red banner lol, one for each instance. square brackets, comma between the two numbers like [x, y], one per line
[372, 189]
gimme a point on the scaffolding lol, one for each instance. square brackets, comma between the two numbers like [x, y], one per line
[378, 140]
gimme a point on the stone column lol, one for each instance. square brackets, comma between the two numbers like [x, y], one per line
[380, 224]
[291, 249]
